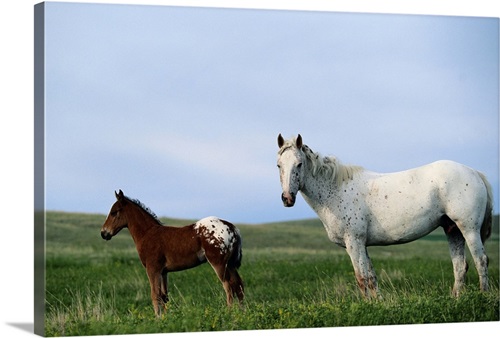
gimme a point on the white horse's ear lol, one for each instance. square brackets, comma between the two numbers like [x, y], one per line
[298, 142]
[281, 141]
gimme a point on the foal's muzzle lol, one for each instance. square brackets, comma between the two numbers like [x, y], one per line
[288, 199]
[106, 235]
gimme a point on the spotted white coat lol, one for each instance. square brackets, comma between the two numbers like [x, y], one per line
[360, 208]
[217, 233]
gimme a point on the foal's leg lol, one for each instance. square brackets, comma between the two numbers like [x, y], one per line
[363, 269]
[220, 268]
[236, 284]
[155, 281]
[456, 243]
[164, 286]
[223, 275]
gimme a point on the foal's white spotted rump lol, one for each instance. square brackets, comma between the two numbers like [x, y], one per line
[360, 208]
[218, 233]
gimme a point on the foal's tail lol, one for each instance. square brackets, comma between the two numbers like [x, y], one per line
[487, 221]
[236, 255]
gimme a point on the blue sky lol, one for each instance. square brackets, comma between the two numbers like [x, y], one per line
[181, 107]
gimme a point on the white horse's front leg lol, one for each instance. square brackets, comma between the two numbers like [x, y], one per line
[363, 269]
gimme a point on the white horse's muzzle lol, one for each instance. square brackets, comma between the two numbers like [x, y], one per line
[288, 199]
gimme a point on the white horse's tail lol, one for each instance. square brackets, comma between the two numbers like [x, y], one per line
[486, 227]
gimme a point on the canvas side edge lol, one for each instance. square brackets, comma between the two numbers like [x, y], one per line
[39, 169]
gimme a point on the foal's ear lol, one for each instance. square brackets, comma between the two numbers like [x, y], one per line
[119, 195]
[298, 142]
[281, 141]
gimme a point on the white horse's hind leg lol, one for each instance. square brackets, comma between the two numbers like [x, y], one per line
[457, 251]
[478, 253]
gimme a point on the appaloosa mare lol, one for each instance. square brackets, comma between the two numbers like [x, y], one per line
[360, 208]
[163, 249]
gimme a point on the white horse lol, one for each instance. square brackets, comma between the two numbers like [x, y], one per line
[360, 208]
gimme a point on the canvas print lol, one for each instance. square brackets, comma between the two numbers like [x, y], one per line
[214, 169]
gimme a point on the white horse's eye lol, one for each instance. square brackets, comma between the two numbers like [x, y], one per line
[299, 165]
[279, 167]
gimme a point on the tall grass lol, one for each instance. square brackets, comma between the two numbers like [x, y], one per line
[294, 278]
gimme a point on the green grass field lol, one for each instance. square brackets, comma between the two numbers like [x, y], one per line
[294, 278]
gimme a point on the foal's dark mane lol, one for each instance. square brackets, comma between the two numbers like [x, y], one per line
[145, 208]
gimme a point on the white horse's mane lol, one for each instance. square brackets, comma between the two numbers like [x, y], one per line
[327, 166]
